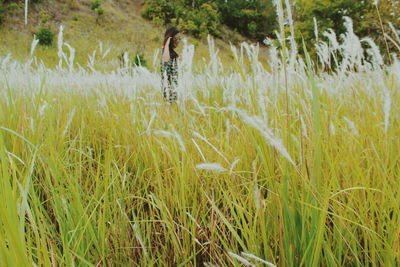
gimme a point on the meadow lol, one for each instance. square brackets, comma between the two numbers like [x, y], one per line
[291, 164]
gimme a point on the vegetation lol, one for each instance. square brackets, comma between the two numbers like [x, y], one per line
[257, 19]
[97, 170]
[329, 15]
[45, 36]
[290, 163]
[199, 18]
[6, 6]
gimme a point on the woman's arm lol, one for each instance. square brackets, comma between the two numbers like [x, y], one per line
[166, 55]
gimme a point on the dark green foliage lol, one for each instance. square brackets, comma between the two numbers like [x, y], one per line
[254, 18]
[140, 61]
[100, 11]
[329, 14]
[95, 4]
[199, 17]
[45, 36]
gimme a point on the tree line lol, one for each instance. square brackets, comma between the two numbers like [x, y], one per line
[257, 19]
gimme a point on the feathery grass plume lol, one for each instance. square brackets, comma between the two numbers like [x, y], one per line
[198, 148]
[153, 116]
[293, 45]
[374, 53]
[92, 61]
[173, 134]
[71, 115]
[332, 128]
[316, 30]
[303, 126]
[395, 32]
[196, 134]
[34, 44]
[333, 42]
[279, 13]
[125, 57]
[261, 126]
[323, 53]
[214, 167]
[251, 256]
[351, 125]
[60, 43]
[236, 161]
[351, 48]
[43, 108]
[180, 141]
[163, 133]
[71, 58]
[241, 259]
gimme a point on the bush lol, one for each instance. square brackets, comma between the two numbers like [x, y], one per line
[100, 11]
[139, 61]
[45, 36]
[95, 4]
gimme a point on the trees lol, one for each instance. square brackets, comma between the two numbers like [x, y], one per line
[329, 14]
[253, 18]
[200, 17]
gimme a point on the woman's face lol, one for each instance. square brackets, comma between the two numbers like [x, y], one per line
[176, 40]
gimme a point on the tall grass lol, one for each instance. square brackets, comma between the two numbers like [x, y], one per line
[97, 170]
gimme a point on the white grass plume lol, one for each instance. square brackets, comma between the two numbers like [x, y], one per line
[173, 134]
[351, 125]
[316, 30]
[260, 125]
[233, 165]
[373, 51]
[241, 259]
[332, 128]
[70, 117]
[34, 44]
[251, 256]
[214, 167]
[198, 148]
[164, 133]
[196, 134]
[60, 42]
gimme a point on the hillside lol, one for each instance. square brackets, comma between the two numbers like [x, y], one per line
[120, 28]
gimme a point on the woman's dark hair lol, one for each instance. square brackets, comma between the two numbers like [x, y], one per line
[171, 32]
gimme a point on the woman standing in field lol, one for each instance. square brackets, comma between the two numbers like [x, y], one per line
[169, 65]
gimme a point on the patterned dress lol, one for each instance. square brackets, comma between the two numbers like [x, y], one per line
[169, 80]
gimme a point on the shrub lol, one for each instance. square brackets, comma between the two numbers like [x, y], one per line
[95, 4]
[45, 36]
[139, 61]
[100, 11]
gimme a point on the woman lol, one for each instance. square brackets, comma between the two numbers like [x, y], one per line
[169, 65]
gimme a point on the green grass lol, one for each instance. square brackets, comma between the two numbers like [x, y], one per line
[86, 181]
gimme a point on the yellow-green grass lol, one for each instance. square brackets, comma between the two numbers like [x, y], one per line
[121, 29]
[97, 170]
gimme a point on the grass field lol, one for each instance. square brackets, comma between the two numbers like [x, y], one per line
[286, 165]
